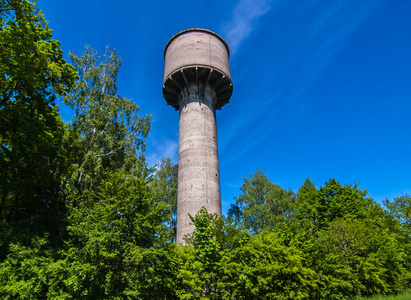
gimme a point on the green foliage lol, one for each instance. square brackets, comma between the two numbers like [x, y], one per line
[354, 247]
[351, 244]
[331, 202]
[121, 209]
[400, 209]
[32, 72]
[200, 266]
[23, 274]
[204, 239]
[109, 253]
[164, 186]
[337, 256]
[109, 229]
[339, 245]
[32, 67]
[262, 204]
[307, 205]
[151, 274]
[258, 266]
[111, 134]
[265, 268]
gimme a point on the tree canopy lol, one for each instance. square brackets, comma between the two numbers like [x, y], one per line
[262, 204]
[82, 216]
[32, 73]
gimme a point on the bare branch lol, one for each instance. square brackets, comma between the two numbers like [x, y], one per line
[112, 151]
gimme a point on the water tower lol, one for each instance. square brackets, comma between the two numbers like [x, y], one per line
[197, 82]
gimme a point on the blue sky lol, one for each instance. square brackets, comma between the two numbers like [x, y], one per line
[322, 89]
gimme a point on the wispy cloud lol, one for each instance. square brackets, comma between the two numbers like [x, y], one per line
[243, 20]
[168, 148]
[311, 44]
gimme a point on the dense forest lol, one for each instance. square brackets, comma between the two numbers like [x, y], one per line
[82, 216]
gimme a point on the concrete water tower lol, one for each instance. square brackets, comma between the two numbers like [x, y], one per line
[197, 82]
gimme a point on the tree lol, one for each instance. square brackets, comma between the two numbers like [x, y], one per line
[355, 257]
[262, 204]
[218, 264]
[31, 272]
[32, 67]
[32, 73]
[264, 268]
[164, 184]
[332, 201]
[400, 209]
[110, 132]
[113, 221]
[198, 273]
[307, 206]
[348, 240]
[109, 253]
[111, 217]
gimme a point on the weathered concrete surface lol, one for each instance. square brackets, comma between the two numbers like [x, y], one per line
[196, 47]
[198, 171]
[197, 82]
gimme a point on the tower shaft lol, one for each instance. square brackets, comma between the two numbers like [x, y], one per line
[198, 170]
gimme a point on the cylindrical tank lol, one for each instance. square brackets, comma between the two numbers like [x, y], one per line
[196, 55]
[197, 82]
[196, 47]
